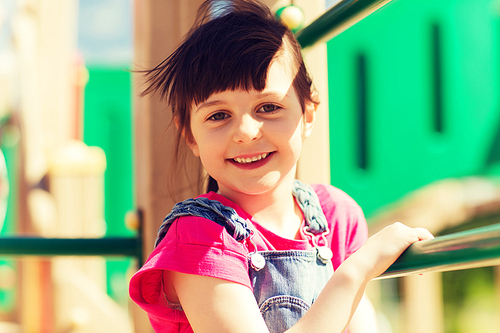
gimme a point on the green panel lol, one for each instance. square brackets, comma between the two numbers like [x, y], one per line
[8, 296]
[107, 124]
[119, 271]
[429, 74]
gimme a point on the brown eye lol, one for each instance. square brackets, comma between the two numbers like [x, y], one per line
[218, 116]
[268, 108]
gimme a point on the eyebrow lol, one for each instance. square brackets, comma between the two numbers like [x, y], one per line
[221, 102]
[209, 103]
[274, 93]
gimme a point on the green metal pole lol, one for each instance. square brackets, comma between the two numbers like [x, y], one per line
[468, 249]
[337, 19]
[462, 250]
[36, 246]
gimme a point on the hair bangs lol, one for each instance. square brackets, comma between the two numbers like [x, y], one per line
[229, 57]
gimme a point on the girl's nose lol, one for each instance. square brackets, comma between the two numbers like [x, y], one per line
[247, 130]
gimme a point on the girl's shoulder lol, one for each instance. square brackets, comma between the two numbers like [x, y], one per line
[202, 219]
[192, 245]
[205, 229]
[331, 196]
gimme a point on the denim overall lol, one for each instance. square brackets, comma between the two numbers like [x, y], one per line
[285, 283]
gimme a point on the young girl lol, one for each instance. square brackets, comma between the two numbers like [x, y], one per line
[264, 252]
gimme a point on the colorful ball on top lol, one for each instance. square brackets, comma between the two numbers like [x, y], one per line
[292, 16]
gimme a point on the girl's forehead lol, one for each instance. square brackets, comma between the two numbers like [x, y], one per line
[280, 74]
[279, 82]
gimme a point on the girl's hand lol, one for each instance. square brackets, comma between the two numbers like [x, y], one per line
[383, 248]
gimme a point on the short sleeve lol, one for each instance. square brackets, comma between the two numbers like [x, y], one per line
[193, 245]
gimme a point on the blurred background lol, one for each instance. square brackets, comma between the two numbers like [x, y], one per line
[410, 129]
[66, 138]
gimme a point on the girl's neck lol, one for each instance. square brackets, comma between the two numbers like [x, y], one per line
[276, 210]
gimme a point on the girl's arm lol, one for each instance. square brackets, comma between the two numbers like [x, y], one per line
[216, 305]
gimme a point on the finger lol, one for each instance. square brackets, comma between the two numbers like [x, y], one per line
[423, 234]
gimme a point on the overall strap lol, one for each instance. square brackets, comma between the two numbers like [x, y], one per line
[308, 202]
[209, 209]
[235, 225]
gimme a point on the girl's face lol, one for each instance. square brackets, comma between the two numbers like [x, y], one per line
[250, 141]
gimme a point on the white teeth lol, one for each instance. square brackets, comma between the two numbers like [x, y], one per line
[251, 160]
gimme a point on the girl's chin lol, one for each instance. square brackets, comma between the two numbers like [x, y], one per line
[269, 182]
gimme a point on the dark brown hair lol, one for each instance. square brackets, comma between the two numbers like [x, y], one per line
[230, 46]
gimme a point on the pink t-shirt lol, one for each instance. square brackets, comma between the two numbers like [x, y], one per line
[195, 245]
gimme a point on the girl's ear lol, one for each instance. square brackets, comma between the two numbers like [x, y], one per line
[189, 140]
[194, 147]
[310, 114]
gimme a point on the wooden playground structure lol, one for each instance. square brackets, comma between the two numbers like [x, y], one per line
[67, 293]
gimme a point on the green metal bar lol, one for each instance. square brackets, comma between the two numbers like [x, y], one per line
[37, 246]
[462, 250]
[109, 246]
[337, 19]
[467, 249]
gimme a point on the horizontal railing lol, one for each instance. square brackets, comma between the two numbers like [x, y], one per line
[336, 19]
[105, 247]
[38, 246]
[462, 250]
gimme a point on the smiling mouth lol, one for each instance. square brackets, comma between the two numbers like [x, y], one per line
[253, 159]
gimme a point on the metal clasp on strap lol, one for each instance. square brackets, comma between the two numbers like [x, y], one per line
[257, 260]
[324, 253]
